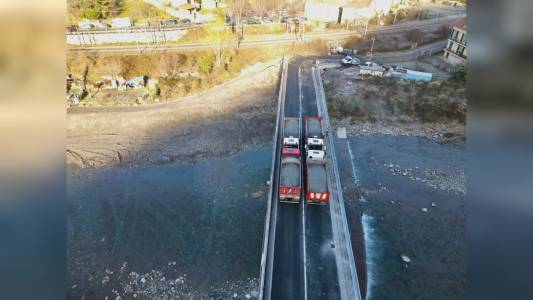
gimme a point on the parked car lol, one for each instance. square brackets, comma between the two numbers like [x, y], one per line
[170, 22]
[350, 61]
[142, 24]
[121, 23]
[299, 19]
[272, 14]
[185, 21]
[370, 64]
[252, 22]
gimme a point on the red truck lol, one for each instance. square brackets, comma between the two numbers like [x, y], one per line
[290, 185]
[317, 182]
[291, 136]
[315, 161]
[290, 179]
[313, 127]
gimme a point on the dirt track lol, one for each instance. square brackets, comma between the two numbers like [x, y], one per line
[184, 130]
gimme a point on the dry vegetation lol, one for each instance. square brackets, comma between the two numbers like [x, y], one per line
[179, 74]
[389, 99]
[398, 41]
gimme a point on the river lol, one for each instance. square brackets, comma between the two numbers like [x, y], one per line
[413, 205]
[168, 231]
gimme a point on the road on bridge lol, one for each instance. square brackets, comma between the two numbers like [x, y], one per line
[304, 262]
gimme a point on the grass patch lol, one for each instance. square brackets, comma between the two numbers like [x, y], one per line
[141, 11]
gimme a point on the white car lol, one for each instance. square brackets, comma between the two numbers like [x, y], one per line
[370, 64]
[348, 60]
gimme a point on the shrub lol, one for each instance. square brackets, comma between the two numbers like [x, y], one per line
[461, 73]
[207, 63]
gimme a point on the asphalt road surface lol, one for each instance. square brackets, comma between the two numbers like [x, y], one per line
[304, 266]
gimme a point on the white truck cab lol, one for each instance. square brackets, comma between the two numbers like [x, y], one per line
[291, 141]
[316, 150]
[317, 155]
[315, 144]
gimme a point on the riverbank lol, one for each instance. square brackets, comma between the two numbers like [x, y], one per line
[387, 106]
[237, 115]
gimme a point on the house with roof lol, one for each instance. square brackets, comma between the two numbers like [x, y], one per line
[455, 51]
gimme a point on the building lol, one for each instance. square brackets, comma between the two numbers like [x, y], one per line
[345, 10]
[319, 11]
[455, 51]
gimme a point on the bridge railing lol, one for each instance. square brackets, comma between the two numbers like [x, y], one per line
[269, 235]
[348, 279]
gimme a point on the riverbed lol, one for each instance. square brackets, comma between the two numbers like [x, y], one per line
[168, 231]
[412, 195]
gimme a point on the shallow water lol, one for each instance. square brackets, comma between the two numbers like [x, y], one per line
[400, 178]
[174, 230]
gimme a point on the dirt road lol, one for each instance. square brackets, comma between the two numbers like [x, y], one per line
[183, 130]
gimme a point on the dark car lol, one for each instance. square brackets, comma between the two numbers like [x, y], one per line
[170, 22]
[185, 21]
[252, 22]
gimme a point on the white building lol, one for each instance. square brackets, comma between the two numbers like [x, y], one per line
[178, 3]
[455, 51]
[323, 12]
[345, 10]
[209, 4]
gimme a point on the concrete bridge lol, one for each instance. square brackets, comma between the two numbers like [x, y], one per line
[307, 252]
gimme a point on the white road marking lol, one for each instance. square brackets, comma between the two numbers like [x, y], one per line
[303, 200]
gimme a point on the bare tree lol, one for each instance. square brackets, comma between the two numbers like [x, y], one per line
[169, 64]
[222, 43]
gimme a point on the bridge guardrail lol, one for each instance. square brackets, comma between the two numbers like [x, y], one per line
[270, 230]
[337, 207]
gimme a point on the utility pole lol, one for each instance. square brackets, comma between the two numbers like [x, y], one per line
[372, 47]
[240, 23]
[395, 14]
[366, 27]
[279, 13]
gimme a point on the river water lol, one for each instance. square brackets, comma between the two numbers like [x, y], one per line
[413, 199]
[168, 231]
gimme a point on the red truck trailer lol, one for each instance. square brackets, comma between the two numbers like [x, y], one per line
[291, 136]
[290, 179]
[317, 182]
[313, 128]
